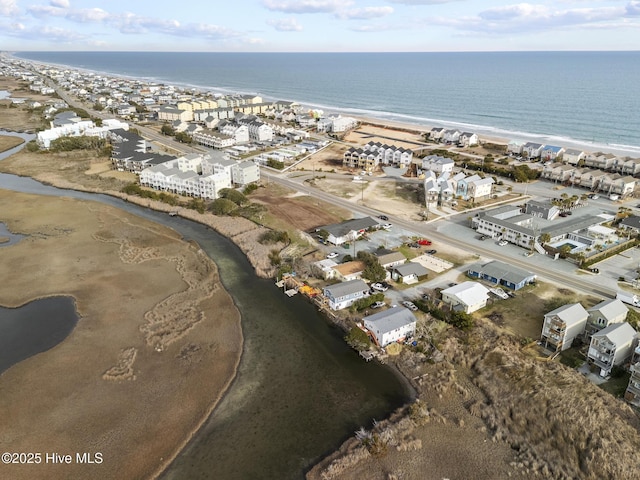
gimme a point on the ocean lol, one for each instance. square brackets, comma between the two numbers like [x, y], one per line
[561, 98]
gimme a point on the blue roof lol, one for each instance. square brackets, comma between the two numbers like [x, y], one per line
[553, 148]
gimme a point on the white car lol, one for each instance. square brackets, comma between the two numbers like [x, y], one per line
[386, 226]
[379, 287]
[332, 255]
[410, 305]
[502, 243]
[378, 305]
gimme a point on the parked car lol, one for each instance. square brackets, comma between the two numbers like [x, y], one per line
[332, 255]
[379, 287]
[386, 226]
[410, 305]
[413, 245]
[502, 243]
[378, 304]
[564, 214]
[383, 217]
[424, 241]
[432, 252]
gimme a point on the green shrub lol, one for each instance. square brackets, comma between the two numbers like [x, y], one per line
[357, 339]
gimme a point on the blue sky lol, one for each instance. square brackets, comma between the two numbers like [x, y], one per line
[319, 25]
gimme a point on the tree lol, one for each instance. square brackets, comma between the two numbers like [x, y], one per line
[356, 338]
[545, 238]
[222, 206]
[373, 271]
[235, 196]
[167, 129]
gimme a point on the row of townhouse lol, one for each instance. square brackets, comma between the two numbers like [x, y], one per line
[445, 187]
[594, 180]
[199, 176]
[535, 151]
[611, 339]
[374, 154]
[453, 137]
[571, 156]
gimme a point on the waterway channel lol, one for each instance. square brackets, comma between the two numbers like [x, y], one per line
[300, 390]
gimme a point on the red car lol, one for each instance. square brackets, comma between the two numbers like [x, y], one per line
[424, 241]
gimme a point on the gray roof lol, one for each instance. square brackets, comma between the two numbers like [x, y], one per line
[570, 314]
[347, 288]
[411, 268]
[356, 224]
[631, 222]
[386, 257]
[610, 308]
[618, 333]
[390, 319]
[503, 271]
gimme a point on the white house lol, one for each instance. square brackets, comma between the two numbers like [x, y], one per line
[611, 346]
[391, 325]
[245, 172]
[345, 294]
[436, 164]
[562, 325]
[466, 296]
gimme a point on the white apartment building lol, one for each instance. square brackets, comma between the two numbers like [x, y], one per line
[245, 172]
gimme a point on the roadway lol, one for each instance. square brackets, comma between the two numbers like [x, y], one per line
[428, 229]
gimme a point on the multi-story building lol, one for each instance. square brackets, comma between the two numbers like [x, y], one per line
[611, 346]
[562, 325]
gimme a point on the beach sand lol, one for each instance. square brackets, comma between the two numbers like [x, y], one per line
[157, 344]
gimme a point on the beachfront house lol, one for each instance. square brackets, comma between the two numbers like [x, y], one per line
[532, 150]
[562, 325]
[611, 346]
[550, 152]
[605, 313]
[514, 147]
[392, 325]
[632, 394]
[468, 139]
[572, 156]
[466, 297]
[343, 295]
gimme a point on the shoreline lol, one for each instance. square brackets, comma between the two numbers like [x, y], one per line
[483, 131]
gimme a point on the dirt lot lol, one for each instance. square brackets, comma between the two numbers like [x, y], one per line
[298, 211]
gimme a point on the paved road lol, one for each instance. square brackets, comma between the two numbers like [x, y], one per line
[554, 272]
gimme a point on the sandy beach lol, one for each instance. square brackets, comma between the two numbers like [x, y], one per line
[157, 344]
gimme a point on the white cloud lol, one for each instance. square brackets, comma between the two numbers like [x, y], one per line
[130, 23]
[365, 13]
[60, 3]
[527, 18]
[285, 25]
[8, 8]
[40, 33]
[423, 2]
[306, 6]
[373, 28]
